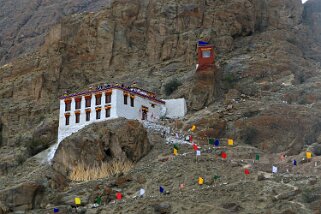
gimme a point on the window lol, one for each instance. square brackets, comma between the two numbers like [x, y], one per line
[144, 112]
[67, 116]
[98, 99]
[108, 98]
[153, 105]
[206, 54]
[88, 102]
[87, 115]
[125, 99]
[78, 103]
[77, 117]
[132, 101]
[107, 112]
[98, 112]
[67, 105]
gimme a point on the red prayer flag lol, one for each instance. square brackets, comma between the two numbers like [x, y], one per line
[195, 147]
[190, 138]
[246, 171]
[223, 155]
[118, 196]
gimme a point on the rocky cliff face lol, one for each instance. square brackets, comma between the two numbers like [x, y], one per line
[260, 55]
[24, 24]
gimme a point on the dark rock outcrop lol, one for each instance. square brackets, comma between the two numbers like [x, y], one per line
[118, 139]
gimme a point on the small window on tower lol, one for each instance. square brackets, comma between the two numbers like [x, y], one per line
[108, 98]
[206, 54]
[78, 103]
[88, 102]
[98, 99]
[132, 98]
[98, 113]
[108, 112]
[125, 99]
[77, 117]
[87, 115]
[67, 119]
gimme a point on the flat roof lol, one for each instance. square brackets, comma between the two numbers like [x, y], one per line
[133, 90]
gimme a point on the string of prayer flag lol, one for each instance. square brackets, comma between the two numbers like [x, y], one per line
[161, 189]
[175, 152]
[77, 201]
[224, 155]
[200, 181]
[309, 155]
[216, 143]
[230, 142]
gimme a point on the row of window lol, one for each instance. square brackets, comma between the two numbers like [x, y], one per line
[87, 101]
[77, 116]
[131, 100]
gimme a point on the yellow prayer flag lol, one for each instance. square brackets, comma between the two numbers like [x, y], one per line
[230, 142]
[200, 180]
[309, 155]
[175, 151]
[193, 128]
[77, 201]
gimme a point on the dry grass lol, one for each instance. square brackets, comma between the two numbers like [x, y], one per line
[103, 170]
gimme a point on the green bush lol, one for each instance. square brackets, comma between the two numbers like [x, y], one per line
[36, 146]
[317, 150]
[171, 86]
[248, 135]
[308, 196]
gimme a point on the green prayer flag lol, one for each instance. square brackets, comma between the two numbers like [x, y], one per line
[211, 141]
[176, 147]
[98, 200]
[257, 157]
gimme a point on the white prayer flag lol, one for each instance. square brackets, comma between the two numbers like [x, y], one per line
[274, 169]
[141, 192]
[198, 153]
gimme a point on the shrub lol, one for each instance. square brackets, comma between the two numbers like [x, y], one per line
[308, 196]
[83, 173]
[248, 134]
[171, 86]
[36, 146]
[317, 150]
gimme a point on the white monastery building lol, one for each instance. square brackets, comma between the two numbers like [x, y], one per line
[113, 101]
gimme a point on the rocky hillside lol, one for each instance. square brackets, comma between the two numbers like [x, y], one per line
[24, 24]
[267, 67]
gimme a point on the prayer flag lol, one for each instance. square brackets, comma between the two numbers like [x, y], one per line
[217, 142]
[193, 128]
[294, 162]
[181, 186]
[198, 153]
[190, 138]
[200, 180]
[56, 210]
[257, 157]
[77, 201]
[118, 196]
[223, 155]
[309, 155]
[175, 152]
[161, 189]
[201, 43]
[195, 147]
[211, 141]
[142, 192]
[246, 171]
[187, 138]
[230, 142]
[177, 135]
[176, 147]
[274, 169]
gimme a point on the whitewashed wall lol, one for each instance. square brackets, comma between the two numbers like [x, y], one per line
[118, 109]
[175, 108]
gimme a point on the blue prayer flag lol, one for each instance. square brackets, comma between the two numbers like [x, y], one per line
[56, 210]
[217, 142]
[202, 43]
[161, 189]
[294, 162]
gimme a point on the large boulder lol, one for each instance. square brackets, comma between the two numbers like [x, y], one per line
[25, 196]
[112, 140]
